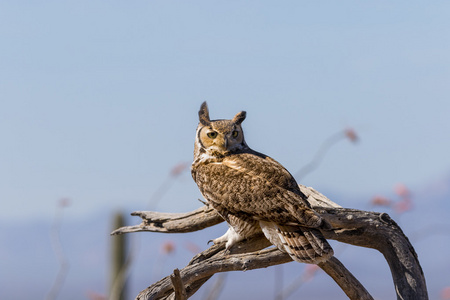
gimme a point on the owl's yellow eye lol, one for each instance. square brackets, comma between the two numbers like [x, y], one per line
[212, 134]
[235, 134]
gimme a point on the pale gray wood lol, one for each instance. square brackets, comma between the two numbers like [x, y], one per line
[178, 285]
[356, 227]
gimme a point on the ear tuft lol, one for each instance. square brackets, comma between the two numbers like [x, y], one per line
[239, 117]
[203, 114]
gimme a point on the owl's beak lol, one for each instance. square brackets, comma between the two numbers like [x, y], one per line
[223, 146]
[225, 143]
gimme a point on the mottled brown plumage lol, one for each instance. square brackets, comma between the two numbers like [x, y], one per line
[253, 192]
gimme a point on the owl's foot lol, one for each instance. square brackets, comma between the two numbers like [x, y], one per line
[219, 240]
[230, 238]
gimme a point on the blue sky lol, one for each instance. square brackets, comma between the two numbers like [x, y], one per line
[99, 99]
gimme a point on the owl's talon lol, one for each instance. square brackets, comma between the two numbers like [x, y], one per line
[210, 241]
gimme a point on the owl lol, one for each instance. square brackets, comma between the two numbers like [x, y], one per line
[254, 193]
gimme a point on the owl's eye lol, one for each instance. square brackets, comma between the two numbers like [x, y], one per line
[235, 134]
[212, 134]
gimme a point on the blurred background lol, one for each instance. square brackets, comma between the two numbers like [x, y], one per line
[98, 111]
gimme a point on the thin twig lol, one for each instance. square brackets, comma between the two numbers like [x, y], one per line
[291, 288]
[59, 251]
[167, 184]
[324, 148]
[217, 288]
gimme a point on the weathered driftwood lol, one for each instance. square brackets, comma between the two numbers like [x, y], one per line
[360, 228]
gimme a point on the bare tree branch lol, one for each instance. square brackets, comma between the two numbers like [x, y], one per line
[173, 222]
[360, 228]
[380, 232]
[348, 283]
[200, 218]
[177, 282]
[214, 260]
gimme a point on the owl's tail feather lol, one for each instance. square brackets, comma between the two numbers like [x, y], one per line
[303, 244]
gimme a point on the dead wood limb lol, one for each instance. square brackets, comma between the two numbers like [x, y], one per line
[378, 231]
[198, 219]
[348, 283]
[178, 286]
[214, 260]
[359, 228]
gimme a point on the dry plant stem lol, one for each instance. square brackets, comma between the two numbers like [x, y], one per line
[60, 255]
[216, 289]
[320, 154]
[360, 228]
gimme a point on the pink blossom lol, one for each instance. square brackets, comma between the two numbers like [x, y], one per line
[168, 247]
[64, 202]
[310, 271]
[192, 247]
[178, 169]
[401, 190]
[445, 293]
[380, 201]
[350, 133]
[95, 296]
[403, 205]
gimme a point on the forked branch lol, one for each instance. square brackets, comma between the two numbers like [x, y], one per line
[359, 228]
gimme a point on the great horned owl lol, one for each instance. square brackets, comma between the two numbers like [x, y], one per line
[253, 192]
